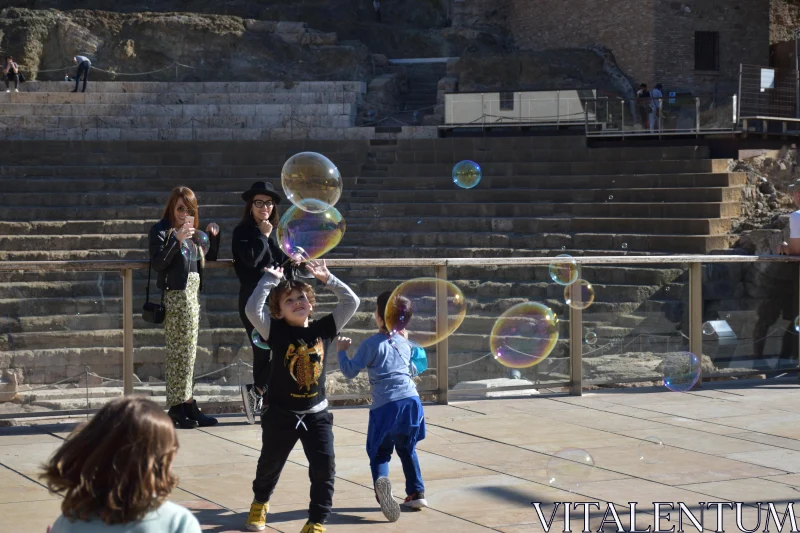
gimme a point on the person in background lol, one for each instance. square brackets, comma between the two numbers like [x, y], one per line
[657, 106]
[11, 73]
[84, 65]
[376, 5]
[115, 473]
[643, 100]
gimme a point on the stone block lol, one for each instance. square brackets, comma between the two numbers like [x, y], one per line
[175, 134]
[452, 66]
[220, 98]
[323, 38]
[380, 60]
[447, 84]
[261, 26]
[18, 109]
[140, 134]
[290, 27]
[273, 109]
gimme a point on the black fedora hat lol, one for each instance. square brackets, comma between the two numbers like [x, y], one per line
[261, 187]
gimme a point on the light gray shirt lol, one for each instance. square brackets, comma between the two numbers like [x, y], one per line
[169, 518]
[81, 59]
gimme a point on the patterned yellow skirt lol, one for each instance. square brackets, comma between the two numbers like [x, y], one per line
[181, 325]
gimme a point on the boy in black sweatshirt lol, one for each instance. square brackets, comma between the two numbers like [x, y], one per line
[297, 406]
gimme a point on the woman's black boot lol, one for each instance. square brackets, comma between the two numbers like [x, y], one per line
[194, 413]
[178, 414]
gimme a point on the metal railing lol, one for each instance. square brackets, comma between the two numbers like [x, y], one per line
[575, 382]
[666, 116]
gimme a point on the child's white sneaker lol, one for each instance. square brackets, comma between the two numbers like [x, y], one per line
[390, 508]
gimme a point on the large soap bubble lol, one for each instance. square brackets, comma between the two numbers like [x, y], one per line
[412, 306]
[582, 297]
[524, 335]
[467, 174]
[303, 235]
[311, 181]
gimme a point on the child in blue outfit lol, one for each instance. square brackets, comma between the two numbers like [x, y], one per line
[396, 418]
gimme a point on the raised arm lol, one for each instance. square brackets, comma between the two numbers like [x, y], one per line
[351, 367]
[255, 309]
[346, 306]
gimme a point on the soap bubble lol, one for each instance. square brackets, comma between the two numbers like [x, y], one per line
[569, 468]
[524, 335]
[258, 342]
[624, 245]
[650, 450]
[202, 241]
[584, 297]
[311, 181]
[797, 324]
[467, 174]
[708, 328]
[610, 196]
[591, 337]
[189, 250]
[564, 269]
[681, 371]
[303, 235]
[420, 294]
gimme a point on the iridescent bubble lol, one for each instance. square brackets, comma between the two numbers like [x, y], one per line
[797, 324]
[681, 371]
[708, 328]
[624, 245]
[419, 222]
[311, 181]
[201, 240]
[569, 468]
[257, 341]
[563, 248]
[303, 235]
[651, 449]
[412, 306]
[524, 335]
[189, 250]
[610, 196]
[591, 337]
[579, 295]
[564, 269]
[467, 174]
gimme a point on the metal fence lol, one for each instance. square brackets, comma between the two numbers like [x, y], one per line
[743, 301]
[766, 92]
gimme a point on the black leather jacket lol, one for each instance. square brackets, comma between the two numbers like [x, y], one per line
[252, 251]
[168, 261]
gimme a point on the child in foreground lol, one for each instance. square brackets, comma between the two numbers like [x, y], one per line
[297, 407]
[396, 418]
[115, 473]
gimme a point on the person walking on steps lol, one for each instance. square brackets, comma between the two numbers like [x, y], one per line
[179, 263]
[254, 248]
[11, 73]
[376, 5]
[83, 68]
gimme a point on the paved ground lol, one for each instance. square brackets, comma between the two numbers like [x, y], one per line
[484, 462]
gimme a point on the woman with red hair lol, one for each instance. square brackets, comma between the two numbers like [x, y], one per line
[179, 263]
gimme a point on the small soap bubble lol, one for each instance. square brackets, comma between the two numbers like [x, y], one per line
[667, 288]
[681, 371]
[584, 295]
[564, 269]
[797, 324]
[257, 341]
[201, 240]
[591, 337]
[708, 328]
[624, 245]
[610, 196]
[651, 449]
[467, 174]
[569, 468]
[419, 222]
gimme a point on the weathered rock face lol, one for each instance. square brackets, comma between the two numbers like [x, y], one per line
[212, 48]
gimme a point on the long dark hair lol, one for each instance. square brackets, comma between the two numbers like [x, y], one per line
[247, 216]
[117, 466]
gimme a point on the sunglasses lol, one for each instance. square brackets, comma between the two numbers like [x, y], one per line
[260, 203]
[182, 209]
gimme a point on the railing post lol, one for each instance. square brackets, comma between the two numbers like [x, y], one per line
[442, 356]
[575, 342]
[696, 309]
[622, 118]
[697, 115]
[127, 331]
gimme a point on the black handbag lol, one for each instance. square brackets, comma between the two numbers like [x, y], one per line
[151, 311]
[21, 77]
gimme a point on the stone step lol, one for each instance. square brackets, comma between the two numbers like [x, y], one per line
[61, 111]
[297, 130]
[166, 122]
[201, 87]
[97, 98]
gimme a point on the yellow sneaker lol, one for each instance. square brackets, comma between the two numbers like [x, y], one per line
[312, 527]
[257, 519]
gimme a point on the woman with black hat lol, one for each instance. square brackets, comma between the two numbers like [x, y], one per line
[254, 248]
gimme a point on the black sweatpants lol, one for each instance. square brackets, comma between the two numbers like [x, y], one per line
[261, 368]
[83, 68]
[280, 430]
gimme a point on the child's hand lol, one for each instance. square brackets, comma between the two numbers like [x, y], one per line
[343, 343]
[319, 270]
[275, 271]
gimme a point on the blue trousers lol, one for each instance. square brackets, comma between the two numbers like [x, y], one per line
[397, 426]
